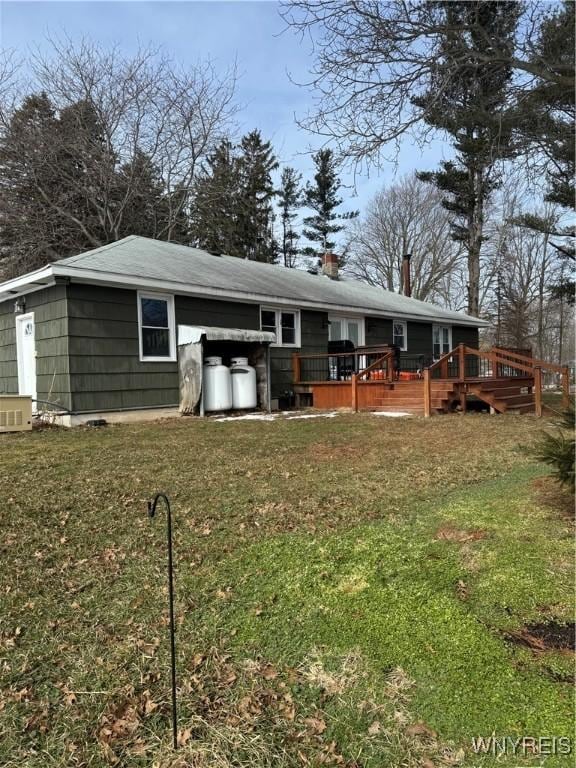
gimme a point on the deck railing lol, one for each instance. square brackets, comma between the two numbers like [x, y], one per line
[463, 365]
[322, 368]
[540, 367]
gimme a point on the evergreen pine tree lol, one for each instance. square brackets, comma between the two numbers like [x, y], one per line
[289, 200]
[144, 208]
[475, 112]
[49, 163]
[548, 125]
[322, 198]
[256, 163]
[214, 208]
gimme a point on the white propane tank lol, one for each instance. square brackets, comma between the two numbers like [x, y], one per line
[217, 385]
[243, 383]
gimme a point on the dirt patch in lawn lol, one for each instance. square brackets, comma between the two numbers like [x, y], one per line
[549, 493]
[448, 533]
[323, 451]
[546, 636]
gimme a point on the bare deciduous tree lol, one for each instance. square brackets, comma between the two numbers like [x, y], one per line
[521, 271]
[374, 59]
[138, 105]
[408, 217]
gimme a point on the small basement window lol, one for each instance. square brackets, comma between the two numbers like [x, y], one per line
[156, 327]
[285, 323]
[400, 335]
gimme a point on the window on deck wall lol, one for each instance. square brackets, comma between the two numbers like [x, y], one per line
[285, 323]
[156, 327]
[400, 335]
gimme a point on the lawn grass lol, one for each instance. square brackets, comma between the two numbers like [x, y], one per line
[345, 592]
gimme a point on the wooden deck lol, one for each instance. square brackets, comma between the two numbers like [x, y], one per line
[505, 380]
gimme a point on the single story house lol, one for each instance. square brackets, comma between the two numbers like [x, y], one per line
[98, 332]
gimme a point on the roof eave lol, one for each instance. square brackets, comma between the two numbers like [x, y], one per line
[32, 281]
[174, 286]
[46, 276]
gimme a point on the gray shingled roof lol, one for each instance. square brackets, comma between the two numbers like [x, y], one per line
[143, 258]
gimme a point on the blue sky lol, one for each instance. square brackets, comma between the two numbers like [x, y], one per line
[250, 32]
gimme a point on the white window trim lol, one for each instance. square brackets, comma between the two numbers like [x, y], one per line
[439, 325]
[278, 311]
[405, 324]
[169, 298]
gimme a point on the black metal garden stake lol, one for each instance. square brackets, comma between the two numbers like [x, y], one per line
[151, 513]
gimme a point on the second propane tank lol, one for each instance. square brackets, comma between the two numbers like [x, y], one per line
[243, 383]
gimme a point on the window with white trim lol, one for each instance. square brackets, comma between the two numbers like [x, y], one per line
[156, 327]
[400, 334]
[441, 340]
[285, 323]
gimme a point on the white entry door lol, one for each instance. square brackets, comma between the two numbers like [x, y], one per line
[26, 355]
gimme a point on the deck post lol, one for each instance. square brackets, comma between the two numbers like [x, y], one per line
[461, 362]
[355, 392]
[296, 368]
[427, 394]
[538, 390]
[565, 387]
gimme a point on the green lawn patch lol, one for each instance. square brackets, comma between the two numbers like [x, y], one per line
[349, 592]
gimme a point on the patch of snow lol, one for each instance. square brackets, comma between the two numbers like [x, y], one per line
[248, 417]
[394, 414]
[286, 415]
[313, 416]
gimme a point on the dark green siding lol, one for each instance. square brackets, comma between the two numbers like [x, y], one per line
[462, 334]
[419, 338]
[51, 340]
[223, 314]
[8, 365]
[87, 345]
[105, 369]
[314, 340]
[378, 330]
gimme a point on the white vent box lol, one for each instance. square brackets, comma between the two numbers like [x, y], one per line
[15, 413]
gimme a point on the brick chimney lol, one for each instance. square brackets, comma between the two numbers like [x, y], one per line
[330, 265]
[406, 284]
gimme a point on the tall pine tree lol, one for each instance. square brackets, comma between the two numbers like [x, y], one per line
[49, 183]
[214, 208]
[322, 197]
[289, 201]
[548, 125]
[231, 208]
[475, 112]
[256, 163]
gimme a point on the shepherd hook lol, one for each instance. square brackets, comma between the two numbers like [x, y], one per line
[151, 513]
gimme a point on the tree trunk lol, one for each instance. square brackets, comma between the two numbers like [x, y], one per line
[475, 231]
[541, 297]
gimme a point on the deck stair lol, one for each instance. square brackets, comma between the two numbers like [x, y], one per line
[408, 396]
[505, 397]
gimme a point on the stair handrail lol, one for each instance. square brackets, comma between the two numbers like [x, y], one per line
[378, 364]
[444, 358]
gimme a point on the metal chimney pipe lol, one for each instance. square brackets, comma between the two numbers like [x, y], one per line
[406, 283]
